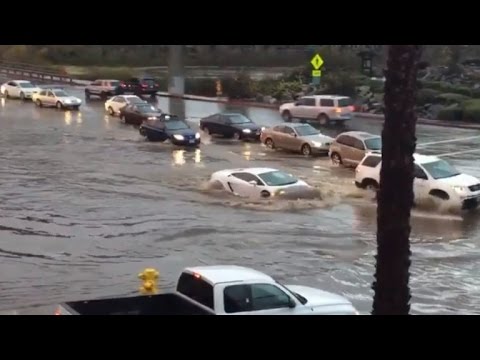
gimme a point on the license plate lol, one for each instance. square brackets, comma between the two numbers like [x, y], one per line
[191, 141]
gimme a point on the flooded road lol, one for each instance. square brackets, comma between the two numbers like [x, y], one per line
[86, 204]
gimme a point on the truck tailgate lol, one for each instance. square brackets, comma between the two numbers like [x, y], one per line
[162, 304]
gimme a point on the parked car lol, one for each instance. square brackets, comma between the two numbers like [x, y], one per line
[261, 183]
[234, 125]
[349, 148]
[20, 89]
[115, 104]
[433, 178]
[58, 98]
[220, 290]
[103, 88]
[136, 114]
[170, 128]
[323, 108]
[141, 86]
[303, 138]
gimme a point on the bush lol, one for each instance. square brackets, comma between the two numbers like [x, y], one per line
[201, 87]
[117, 73]
[452, 113]
[450, 98]
[471, 110]
[341, 83]
[426, 96]
[447, 88]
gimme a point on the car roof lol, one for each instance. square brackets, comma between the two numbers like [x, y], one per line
[253, 170]
[418, 158]
[21, 81]
[227, 273]
[106, 80]
[293, 125]
[359, 134]
[325, 97]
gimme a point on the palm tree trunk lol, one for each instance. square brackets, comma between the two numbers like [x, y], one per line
[395, 197]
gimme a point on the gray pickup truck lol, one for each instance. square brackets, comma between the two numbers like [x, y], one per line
[220, 290]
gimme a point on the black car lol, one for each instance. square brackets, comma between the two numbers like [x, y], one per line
[136, 114]
[141, 86]
[170, 128]
[232, 125]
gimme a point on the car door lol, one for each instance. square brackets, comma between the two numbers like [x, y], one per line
[127, 113]
[50, 98]
[348, 151]
[299, 110]
[357, 151]
[309, 109]
[118, 103]
[279, 136]
[13, 89]
[41, 96]
[240, 184]
[421, 184]
[290, 139]
[224, 126]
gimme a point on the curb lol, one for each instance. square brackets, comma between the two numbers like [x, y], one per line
[420, 121]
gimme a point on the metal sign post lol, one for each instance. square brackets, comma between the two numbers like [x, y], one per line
[317, 63]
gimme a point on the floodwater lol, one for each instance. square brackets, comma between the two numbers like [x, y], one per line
[86, 204]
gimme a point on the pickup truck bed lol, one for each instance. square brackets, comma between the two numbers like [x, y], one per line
[162, 304]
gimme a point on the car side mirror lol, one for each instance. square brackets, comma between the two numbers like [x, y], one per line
[253, 182]
[291, 303]
[294, 135]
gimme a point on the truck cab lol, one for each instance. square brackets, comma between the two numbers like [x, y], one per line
[220, 290]
[235, 290]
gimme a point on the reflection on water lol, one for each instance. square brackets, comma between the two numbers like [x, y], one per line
[106, 118]
[2, 102]
[198, 156]
[247, 152]
[178, 157]
[79, 118]
[68, 117]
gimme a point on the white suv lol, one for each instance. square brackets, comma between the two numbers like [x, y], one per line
[434, 177]
[323, 108]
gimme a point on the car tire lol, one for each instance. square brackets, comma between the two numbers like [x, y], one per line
[236, 136]
[22, 96]
[323, 119]
[110, 111]
[5, 93]
[370, 184]
[265, 194]
[306, 150]
[269, 143]
[287, 116]
[39, 103]
[336, 159]
[87, 94]
[59, 105]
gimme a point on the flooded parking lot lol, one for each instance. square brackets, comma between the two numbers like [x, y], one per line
[86, 204]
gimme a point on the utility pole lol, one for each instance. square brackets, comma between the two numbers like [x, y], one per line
[176, 70]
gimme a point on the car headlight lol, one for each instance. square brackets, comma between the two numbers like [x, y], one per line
[178, 137]
[68, 101]
[263, 128]
[459, 189]
[197, 135]
[152, 118]
[247, 131]
[316, 143]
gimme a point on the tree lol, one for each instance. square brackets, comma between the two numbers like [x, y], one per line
[395, 196]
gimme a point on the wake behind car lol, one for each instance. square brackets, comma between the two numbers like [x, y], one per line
[20, 89]
[298, 137]
[233, 125]
[170, 128]
[262, 183]
[323, 108]
[434, 178]
[136, 114]
[58, 98]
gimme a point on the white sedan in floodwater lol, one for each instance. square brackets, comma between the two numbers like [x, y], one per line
[262, 183]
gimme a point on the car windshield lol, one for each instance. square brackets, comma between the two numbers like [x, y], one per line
[374, 143]
[146, 109]
[60, 93]
[176, 125]
[344, 102]
[239, 119]
[277, 178]
[306, 130]
[440, 169]
[26, 85]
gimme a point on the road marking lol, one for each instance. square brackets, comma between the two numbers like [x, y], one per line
[458, 152]
[449, 141]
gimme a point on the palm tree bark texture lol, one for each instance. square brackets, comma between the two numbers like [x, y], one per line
[395, 197]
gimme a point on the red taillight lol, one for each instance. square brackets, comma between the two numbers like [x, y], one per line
[144, 85]
[123, 85]
[196, 275]
[58, 311]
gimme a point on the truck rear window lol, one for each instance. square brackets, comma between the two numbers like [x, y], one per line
[344, 102]
[196, 289]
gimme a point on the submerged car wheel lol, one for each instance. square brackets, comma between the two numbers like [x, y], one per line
[306, 149]
[236, 136]
[265, 194]
[59, 105]
[22, 96]
[110, 111]
[269, 143]
[38, 103]
[336, 159]
[287, 116]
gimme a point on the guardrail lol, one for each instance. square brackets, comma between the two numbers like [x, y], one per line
[23, 71]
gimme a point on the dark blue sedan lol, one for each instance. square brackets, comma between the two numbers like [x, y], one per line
[170, 128]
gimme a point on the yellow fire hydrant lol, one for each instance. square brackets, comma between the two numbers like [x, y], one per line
[149, 279]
